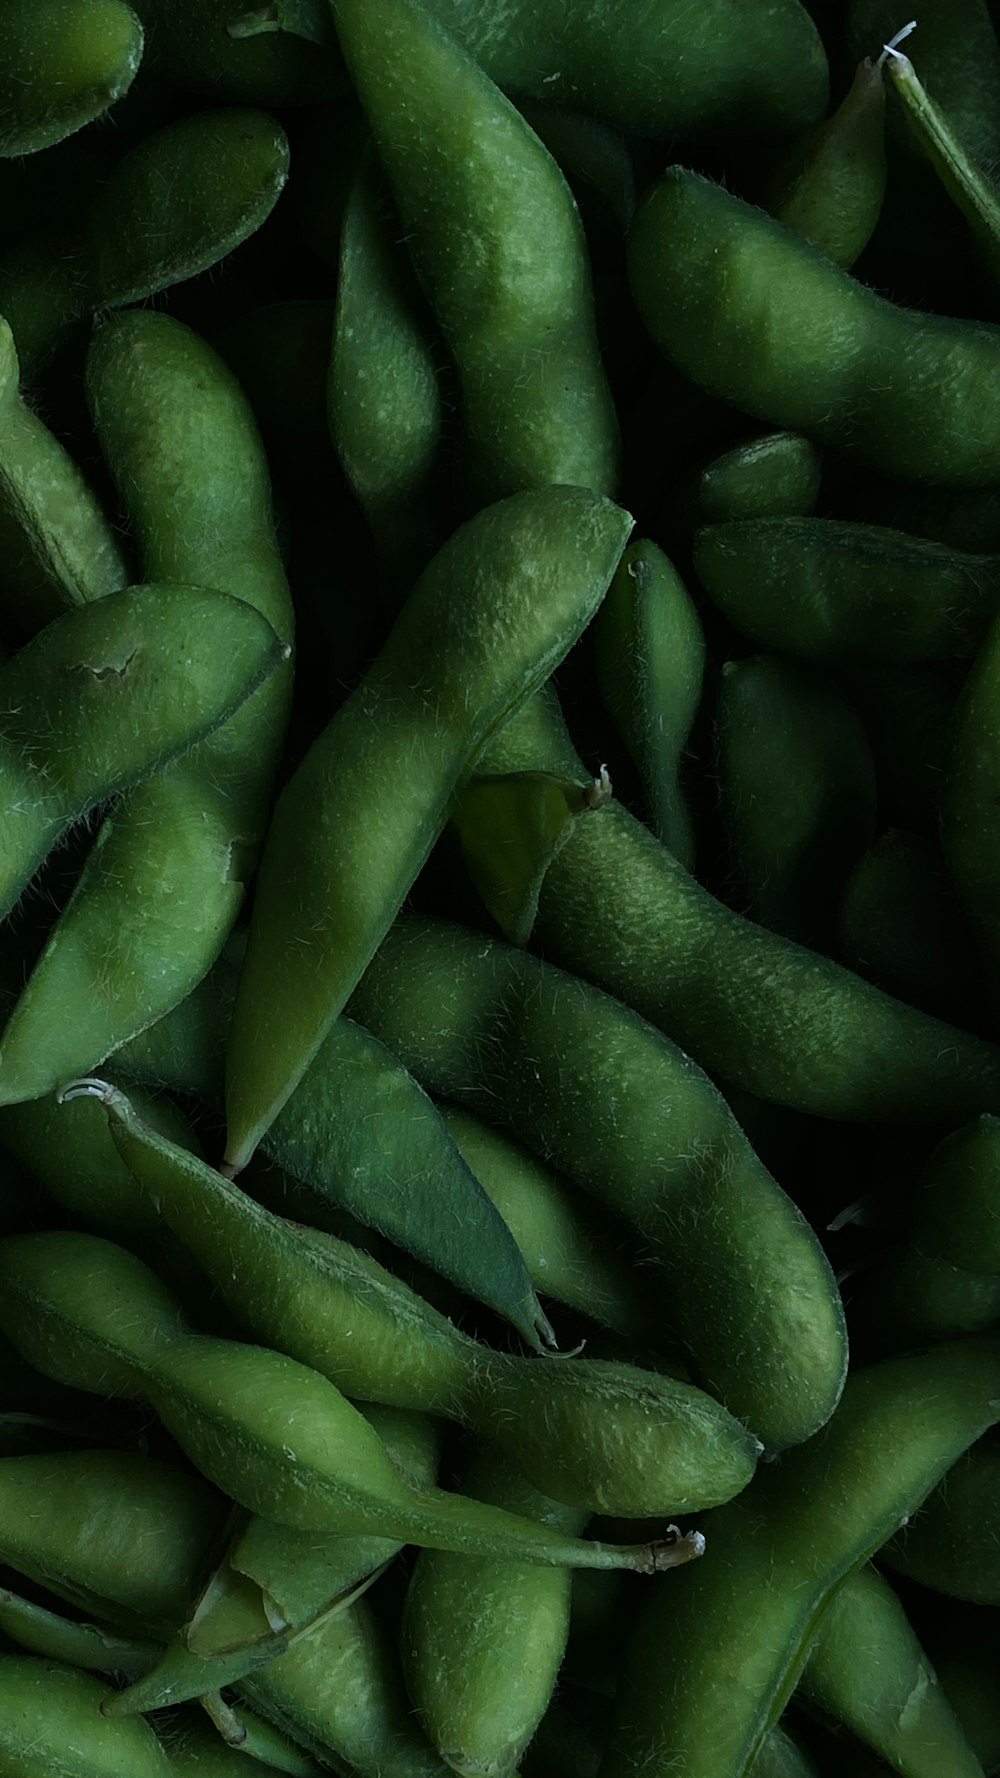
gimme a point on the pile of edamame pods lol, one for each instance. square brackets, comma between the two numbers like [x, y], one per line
[499, 889]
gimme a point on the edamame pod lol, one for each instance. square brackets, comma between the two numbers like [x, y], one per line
[287, 1443]
[784, 1023]
[107, 692]
[498, 242]
[482, 1642]
[335, 1309]
[758, 317]
[195, 45]
[167, 874]
[605, 1097]
[829, 189]
[952, 1544]
[959, 172]
[649, 653]
[868, 1672]
[51, 1722]
[960, 56]
[826, 590]
[94, 1648]
[62, 62]
[710, 1667]
[487, 622]
[195, 1749]
[767, 477]
[796, 792]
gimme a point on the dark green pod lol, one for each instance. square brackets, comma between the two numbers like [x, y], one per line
[62, 62]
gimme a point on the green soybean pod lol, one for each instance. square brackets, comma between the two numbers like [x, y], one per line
[120, 1535]
[766, 477]
[828, 590]
[781, 1756]
[194, 1749]
[383, 394]
[339, 1692]
[333, 1308]
[761, 319]
[87, 1310]
[50, 1721]
[960, 56]
[604, 1096]
[209, 180]
[969, 827]
[57, 547]
[786, 1024]
[570, 1255]
[868, 1672]
[500, 250]
[711, 1667]
[489, 619]
[951, 1545]
[901, 926]
[959, 172]
[796, 792]
[63, 62]
[649, 652]
[482, 1642]
[167, 875]
[829, 187]
[92, 1647]
[108, 692]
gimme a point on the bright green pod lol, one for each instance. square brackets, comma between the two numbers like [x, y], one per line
[827, 590]
[786, 1024]
[335, 1309]
[50, 1721]
[97, 1650]
[62, 62]
[767, 477]
[273, 1585]
[499, 246]
[970, 828]
[489, 619]
[169, 868]
[57, 548]
[210, 180]
[106, 693]
[711, 1665]
[339, 1693]
[613, 1104]
[289, 1446]
[901, 926]
[383, 394]
[829, 189]
[796, 793]
[120, 1536]
[867, 1671]
[654, 68]
[649, 653]
[483, 1642]
[761, 319]
[952, 1544]
[569, 1253]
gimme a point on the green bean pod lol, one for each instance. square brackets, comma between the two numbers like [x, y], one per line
[273, 1585]
[952, 1544]
[108, 692]
[784, 1023]
[278, 1437]
[489, 619]
[868, 1672]
[711, 1666]
[167, 875]
[62, 63]
[498, 242]
[50, 1721]
[759, 318]
[826, 590]
[121, 1536]
[57, 548]
[482, 1642]
[830, 187]
[333, 1308]
[605, 1097]
[650, 657]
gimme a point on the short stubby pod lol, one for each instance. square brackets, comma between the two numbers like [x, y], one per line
[51, 1723]
[758, 317]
